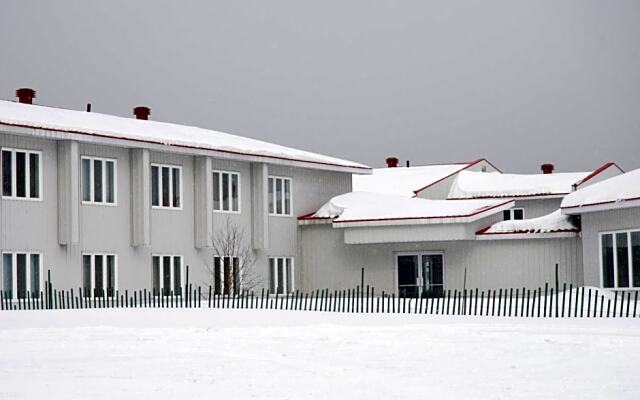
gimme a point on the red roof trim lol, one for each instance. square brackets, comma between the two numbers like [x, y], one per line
[598, 171]
[103, 135]
[469, 165]
[509, 196]
[310, 217]
[602, 202]
[484, 209]
[523, 232]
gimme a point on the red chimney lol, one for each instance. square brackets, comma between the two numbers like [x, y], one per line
[142, 112]
[25, 95]
[547, 168]
[392, 162]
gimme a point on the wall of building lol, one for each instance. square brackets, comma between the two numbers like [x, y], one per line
[490, 264]
[534, 208]
[603, 221]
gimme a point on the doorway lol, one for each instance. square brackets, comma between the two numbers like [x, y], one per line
[420, 274]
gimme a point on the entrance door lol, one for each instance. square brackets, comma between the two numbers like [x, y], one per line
[420, 274]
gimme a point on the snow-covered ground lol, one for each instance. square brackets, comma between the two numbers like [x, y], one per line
[239, 354]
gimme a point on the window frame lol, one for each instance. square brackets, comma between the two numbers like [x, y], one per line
[104, 274]
[220, 276]
[171, 274]
[270, 274]
[14, 183]
[229, 173]
[512, 212]
[274, 196]
[14, 272]
[171, 167]
[104, 161]
[614, 243]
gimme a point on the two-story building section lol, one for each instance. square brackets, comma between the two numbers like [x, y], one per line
[109, 203]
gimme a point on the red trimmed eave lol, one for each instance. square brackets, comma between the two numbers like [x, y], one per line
[597, 172]
[480, 211]
[148, 141]
[599, 203]
[518, 196]
[469, 165]
[483, 231]
[310, 217]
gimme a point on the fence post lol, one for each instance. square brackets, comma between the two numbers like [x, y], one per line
[564, 291]
[557, 287]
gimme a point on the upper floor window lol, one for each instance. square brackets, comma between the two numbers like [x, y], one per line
[515, 214]
[21, 174]
[98, 180]
[166, 186]
[620, 259]
[167, 275]
[99, 275]
[21, 274]
[226, 191]
[281, 275]
[279, 195]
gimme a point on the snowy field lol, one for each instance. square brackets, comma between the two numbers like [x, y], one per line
[240, 354]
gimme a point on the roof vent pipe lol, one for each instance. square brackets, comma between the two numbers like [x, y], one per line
[142, 112]
[392, 162]
[547, 168]
[25, 95]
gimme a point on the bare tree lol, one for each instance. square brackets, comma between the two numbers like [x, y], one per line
[234, 260]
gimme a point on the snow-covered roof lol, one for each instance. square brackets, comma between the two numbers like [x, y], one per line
[617, 192]
[550, 223]
[407, 181]
[470, 185]
[366, 207]
[95, 125]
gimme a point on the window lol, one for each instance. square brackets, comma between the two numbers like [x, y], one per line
[279, 196]
[99, 275]
[166, 186]
[281, 275]
[98, 180]
[21, 275]
[620, 259]
[226, 191]
[21, 174]
[515, 214]
[167, 275]
[226, 277]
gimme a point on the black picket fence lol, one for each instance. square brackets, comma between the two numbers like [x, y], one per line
[560, 302]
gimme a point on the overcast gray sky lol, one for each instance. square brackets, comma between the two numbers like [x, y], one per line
[520, 83]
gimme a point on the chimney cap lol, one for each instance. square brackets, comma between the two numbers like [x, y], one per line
[142, 112]
[25, 95]
[547, 168]
[392, 162]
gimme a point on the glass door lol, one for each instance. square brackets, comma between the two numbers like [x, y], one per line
[408, 276]
[420, 274]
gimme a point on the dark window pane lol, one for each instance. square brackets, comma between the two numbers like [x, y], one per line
[289, 275]
[156, 275]
[236, 274]
[225, 192]
[110, 182]
[21, 174]
[6, 173]
[176, 187]
[165, 187]
[407, 270]
[228, 278]
[34, 176]
[35, 275]
[217, 272]
[271, 196]
[518, 214]
[216, 191]
[280, 276]
[86, 275]
[635, 257]
[177, 282]
[98, 276]
[21, 274]
[437, 275]
[155, 186]
[166, 275]
[287, 196]
[7, 274]
[234, 192]
[97, 181]
[607, 261]
[272, 275]
[111, 275]
[278, 196]
[506, 215]
[622, 250]
[86, 179]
